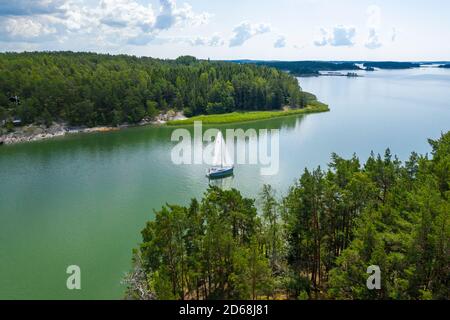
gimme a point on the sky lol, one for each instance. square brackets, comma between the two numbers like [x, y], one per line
[396, 30]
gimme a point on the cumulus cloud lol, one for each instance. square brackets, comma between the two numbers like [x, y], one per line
[141, 24]
[106, 23]
[126, 14]
[170, 15]
[342, 36]
[24, 29]
[214, 41]
[245, 31]
[280, 42]
[30, 20]
[339, 36]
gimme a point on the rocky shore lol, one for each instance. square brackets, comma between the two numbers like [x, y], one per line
[35, 132]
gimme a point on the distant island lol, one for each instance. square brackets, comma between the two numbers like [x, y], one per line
[446, 66]
[326, 68]
[391, 65]
[304, 68]
[340, 74]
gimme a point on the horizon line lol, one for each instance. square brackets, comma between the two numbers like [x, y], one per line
[224, 60]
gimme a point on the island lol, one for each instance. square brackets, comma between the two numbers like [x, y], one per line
[340, 74]
[390, 65]
[304, 68]
[48, 94]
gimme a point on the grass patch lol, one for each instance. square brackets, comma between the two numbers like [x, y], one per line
[313, 107]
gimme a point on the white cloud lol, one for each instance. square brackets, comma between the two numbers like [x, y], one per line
[394, 34]
[132, 23]
[125, 13]
[23, 29]
[322, 38]
[77, 17]
[339, 36]
[373, 41]
[105, 23]
[374, 24]
[170, 15]
[280, 42]
[245, 31]
[342, 36]
[31, 21]
[214, 41]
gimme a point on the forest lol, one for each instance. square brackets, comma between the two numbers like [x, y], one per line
[304, 68]
[391, 65]
[315, 242]
[95, 89]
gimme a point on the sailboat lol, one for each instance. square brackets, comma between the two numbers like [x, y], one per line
[222, 164]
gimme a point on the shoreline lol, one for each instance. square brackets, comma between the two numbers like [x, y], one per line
[34, 132]
[242, 117]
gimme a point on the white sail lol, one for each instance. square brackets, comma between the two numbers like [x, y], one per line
[221, 157]
[217, 156]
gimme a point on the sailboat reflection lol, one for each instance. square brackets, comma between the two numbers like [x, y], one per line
[223, 183]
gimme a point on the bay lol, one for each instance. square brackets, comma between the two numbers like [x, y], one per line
[83, 199]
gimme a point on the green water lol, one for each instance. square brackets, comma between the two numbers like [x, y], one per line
[82, 200]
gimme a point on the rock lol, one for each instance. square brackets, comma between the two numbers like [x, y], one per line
[40, 132]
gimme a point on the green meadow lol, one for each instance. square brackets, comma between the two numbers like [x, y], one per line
[313, 107]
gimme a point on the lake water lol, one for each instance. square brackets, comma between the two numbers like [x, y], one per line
[83, 200]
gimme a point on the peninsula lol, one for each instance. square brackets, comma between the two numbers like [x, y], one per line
[47, 94]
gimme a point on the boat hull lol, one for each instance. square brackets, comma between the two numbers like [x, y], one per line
[221, 173]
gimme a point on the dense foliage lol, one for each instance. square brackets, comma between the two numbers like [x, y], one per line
[391, 65]
[93, 89]
[305, 68]
[315, 243]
